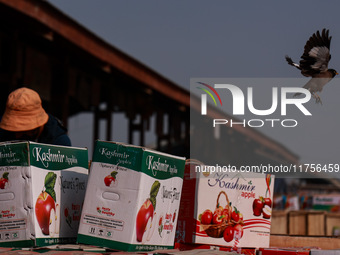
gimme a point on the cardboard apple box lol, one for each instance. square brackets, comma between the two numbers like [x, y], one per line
[42, 189]
[132, 199]
[229, 208]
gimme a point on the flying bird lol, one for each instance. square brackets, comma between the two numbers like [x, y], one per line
[314, 63]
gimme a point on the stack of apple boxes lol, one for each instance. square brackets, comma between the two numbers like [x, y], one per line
[134, 200]
[216, 209]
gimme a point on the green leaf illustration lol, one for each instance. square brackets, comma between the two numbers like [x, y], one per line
[50, 180]
[114, 174]
[154, 189]
[5, 175]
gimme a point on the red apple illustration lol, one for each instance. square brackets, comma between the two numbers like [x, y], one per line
[258, 206]
[146, 216]
[143, 216]
[217, 218]
[238, 231]
[267, 212]
[268, 201]
[4, 180]
[235, 216]
[3, 183]
[228, 234]
[43, 207]
[207, 217]
[110, 179]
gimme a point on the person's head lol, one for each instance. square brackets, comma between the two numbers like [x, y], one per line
[24, 114]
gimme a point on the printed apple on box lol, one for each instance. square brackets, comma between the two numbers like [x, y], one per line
[225, 208]
[42, 193]
[132, 199]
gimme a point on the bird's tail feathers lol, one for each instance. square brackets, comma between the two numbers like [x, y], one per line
[292, 63]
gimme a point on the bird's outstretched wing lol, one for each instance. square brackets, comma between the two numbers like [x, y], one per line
[316, 54]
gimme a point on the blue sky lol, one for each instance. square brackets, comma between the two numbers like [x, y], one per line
[220, 38]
